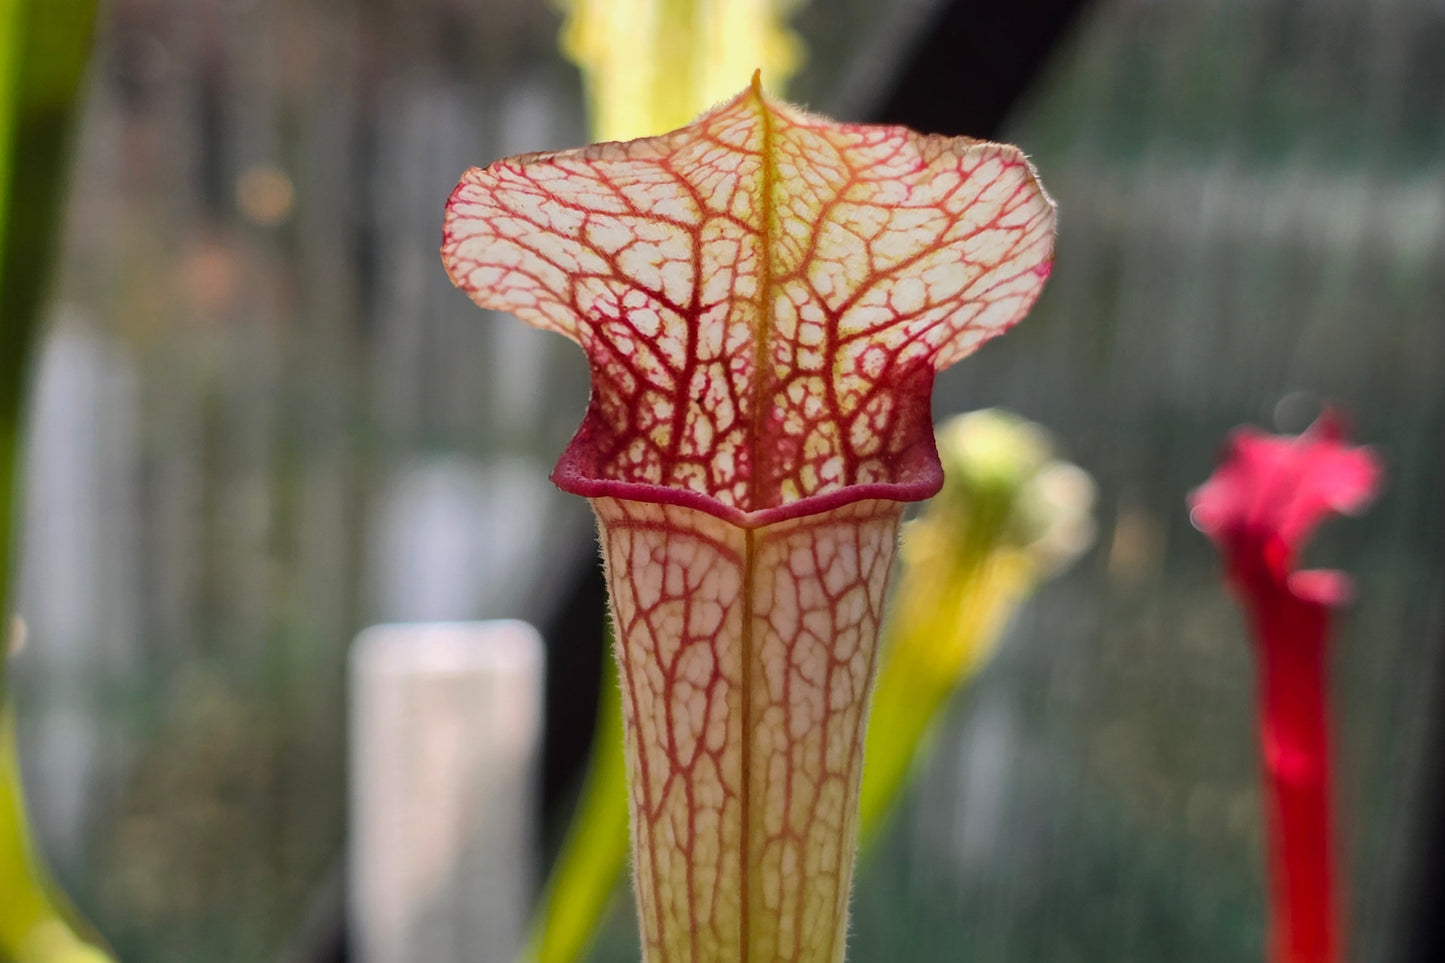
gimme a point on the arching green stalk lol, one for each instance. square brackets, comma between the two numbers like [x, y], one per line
[44, 47]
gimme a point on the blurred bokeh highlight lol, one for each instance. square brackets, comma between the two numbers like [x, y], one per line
[262, 420]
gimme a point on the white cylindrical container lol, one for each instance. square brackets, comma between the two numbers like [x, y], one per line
[446, 722]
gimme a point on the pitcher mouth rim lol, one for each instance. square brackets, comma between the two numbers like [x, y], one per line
[917, 489]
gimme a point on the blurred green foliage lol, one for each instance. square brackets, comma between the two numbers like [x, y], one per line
[586, 875]
[44, 48]
[33, 917]
[1009, 515]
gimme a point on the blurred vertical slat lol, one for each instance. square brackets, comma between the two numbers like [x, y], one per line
[445, 736]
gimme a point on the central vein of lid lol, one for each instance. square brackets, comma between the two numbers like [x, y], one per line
[761, 361]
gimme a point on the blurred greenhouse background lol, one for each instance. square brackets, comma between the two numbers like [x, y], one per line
[264, 420]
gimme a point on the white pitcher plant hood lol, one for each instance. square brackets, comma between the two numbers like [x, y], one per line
[764, 297]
